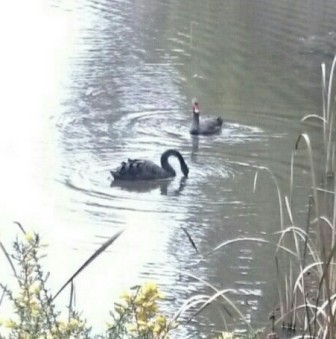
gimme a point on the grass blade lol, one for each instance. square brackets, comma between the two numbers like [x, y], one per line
[190, 239]
[324, 107]
[275, 181]
[313, 116]
[279, 285]
[88, 261]
[227, 242]
[8, 258]
[306, 138]
[20, 226]
[71, 299]
[2, 296]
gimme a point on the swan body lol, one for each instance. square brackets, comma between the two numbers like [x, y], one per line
[139, 169]
[205, 127]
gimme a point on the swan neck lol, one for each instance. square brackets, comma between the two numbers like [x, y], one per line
[165, 163]
[166, 166]
[196, 120]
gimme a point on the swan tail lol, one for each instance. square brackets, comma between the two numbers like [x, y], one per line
[114, 176]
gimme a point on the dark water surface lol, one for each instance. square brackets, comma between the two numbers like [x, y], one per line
[94, 82]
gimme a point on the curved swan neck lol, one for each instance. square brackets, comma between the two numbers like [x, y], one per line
[166, 165]
[164, 161]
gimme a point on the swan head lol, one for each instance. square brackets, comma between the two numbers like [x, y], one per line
[195, 106]
[184, 169]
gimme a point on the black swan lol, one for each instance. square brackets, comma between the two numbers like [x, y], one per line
[138, 169]
[204, 127]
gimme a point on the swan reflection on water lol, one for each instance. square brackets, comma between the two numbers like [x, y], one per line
[147, 186]
[194, 148]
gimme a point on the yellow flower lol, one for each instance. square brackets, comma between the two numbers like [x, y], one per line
[10, 323]
[62, 326]
[33, 303]
[131, 328]
[119, 308]
[148, 304]
[35, 312]
[142, 323]
[226, 335]
[150, 307]
[139, 300]
[35, 287]
[161, 320]
[24, 335]
[30, 237]
[143, 326]
[125, 295]
[160, 324]
[75, 324]
[20, 302]
[54, 330]
[141, 314]
[149, 288]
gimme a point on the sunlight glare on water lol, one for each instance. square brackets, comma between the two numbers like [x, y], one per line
[34, 60]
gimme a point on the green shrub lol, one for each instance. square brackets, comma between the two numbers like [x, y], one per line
[137, 315]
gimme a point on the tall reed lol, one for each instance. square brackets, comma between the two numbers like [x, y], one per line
[309, 282]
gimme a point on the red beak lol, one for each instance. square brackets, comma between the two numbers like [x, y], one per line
[196, 108]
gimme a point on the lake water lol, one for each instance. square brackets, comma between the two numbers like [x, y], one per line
[88, 84]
